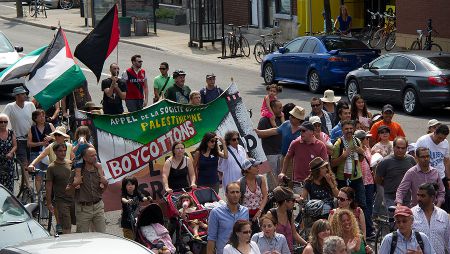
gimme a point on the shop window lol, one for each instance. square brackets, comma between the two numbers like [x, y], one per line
[283, 6]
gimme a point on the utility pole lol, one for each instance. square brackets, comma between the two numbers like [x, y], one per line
[327, 10]
[19, 9]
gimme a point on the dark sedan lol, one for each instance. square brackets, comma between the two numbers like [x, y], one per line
[317, 61]
[415, 80]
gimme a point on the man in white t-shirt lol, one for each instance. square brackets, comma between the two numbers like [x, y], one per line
[19, 113]
[439, 154]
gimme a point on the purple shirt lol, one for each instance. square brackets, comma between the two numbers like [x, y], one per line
[413, 178]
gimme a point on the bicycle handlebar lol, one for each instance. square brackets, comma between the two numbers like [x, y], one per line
[389, 15]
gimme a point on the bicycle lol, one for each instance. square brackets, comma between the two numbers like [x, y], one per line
[26, 194]
[266, 46]
[41, 214]
[67, 4]
[385, 225]
[372, 27]
[382, 33]
[236, 42]
[429, 43]
[36, 7]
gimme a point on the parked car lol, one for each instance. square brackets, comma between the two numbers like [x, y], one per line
[416, 80]
[85, 243]
[8, 55]
[16, 223]
[317, 61]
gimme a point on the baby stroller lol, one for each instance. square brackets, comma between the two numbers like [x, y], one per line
[185, 239]
[150, 230]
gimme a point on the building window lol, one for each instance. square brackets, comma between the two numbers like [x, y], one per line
[283, 6]
[172, 2]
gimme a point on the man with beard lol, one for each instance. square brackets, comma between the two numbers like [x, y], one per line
[430, 219]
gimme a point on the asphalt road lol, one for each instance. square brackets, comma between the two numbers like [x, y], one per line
[249, 82]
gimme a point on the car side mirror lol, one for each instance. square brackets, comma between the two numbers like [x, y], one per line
[365, 66]
[282, 50]
[31, 207]
[18, 49]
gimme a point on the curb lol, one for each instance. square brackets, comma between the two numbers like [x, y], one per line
[79, 32]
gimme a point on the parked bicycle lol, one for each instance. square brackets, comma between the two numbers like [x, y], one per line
[382, 34]
[236, 43]
[375, 22]
[36, 8]
[429, 43]
[68, 4]
[266, 45]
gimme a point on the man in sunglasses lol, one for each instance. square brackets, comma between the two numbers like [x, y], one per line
[211, 91]
[137, 89]
[396, 130]
[162, 82]
[326, 118]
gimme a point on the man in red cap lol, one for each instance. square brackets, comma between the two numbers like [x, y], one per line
[404, 239]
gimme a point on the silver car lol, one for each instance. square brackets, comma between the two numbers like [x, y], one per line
[82, 243]
[16, 223]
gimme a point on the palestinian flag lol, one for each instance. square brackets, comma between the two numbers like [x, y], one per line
[54, 74]
[21, 67]
[99, 43]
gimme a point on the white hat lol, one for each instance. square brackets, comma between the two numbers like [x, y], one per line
[328, 96]
[298, 112]
[61, 130]
[314, 119]
[433, 122]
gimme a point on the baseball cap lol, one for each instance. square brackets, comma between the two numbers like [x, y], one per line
[210, 75]
[314, 119]
[433, 122]
[387, 107]
[249, 163]
[177, 73]
[383, 128]
[362, 134]
[403, 211]
[307, 125]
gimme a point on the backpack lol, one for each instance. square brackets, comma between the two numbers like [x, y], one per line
[243, 185]
[341, 149]
[395, 238]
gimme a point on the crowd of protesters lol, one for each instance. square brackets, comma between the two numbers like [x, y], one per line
[335, 159]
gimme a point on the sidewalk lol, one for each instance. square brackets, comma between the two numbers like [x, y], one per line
[173, 39]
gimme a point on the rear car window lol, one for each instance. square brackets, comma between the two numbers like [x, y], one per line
[343, 43]
[437, 62]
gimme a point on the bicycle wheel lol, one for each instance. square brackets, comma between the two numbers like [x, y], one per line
[382, 231]
[33, 9]
[390, 42]
[376, 38]
[435, 47]
[43, 215]
[415, 45]
[230, 45]
[259, 52]
[245, 47]
[365, 35]
[66, 4]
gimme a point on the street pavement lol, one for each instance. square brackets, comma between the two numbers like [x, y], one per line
[170, 45]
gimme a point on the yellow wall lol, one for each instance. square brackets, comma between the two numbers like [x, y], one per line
[355, 9]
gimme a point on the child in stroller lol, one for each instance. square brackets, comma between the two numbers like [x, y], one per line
[187, 206]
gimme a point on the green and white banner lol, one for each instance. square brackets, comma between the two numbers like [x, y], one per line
[138, 143]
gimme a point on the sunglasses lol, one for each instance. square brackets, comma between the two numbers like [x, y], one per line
[315, 105]
[140, 61]
[246, 232]
[57, 135]
[3, 121]
[213, 141]
[163, 69]
[342, 199]
[234, 139]
[384, 132]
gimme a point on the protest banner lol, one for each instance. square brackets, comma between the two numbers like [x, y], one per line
[138, 143]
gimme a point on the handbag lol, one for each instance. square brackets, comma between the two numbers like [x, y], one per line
[44, 160]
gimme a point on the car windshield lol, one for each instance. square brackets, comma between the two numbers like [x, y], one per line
[11, 211]
[5, 45]
[343, 43]
[437, 63]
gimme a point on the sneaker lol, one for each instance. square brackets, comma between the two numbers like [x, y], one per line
[58, 229]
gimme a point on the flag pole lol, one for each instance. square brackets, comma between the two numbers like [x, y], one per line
[117, 50]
